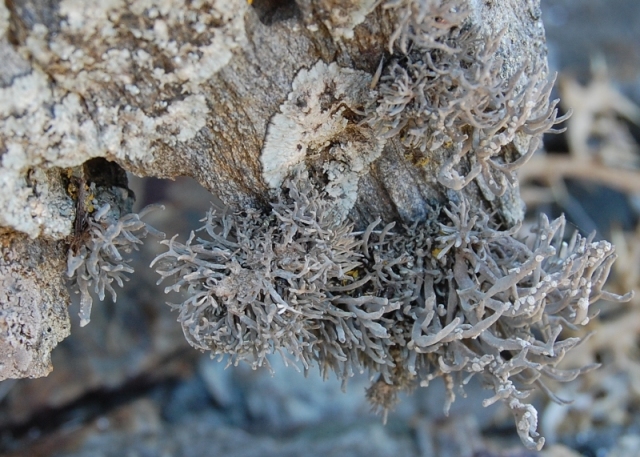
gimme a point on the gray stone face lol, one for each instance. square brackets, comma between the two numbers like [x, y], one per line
[33, 305]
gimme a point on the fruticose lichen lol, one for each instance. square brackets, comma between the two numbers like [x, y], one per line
[97, 261]
[444, 91]
[451, 297]
[456, 294]
[460, 293]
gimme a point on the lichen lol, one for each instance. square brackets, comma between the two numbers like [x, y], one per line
[444, 92]
[98, 260]
[318, 128]
[256, 281]
[452, 297]
[135, 83]
[339, 17]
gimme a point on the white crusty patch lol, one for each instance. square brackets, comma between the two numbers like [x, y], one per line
[39, 128]
[132, 137]
[312, 124]
[345, 17]
[187, 117]
[217, 25]
[44, 120]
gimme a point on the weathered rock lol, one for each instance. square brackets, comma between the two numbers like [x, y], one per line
[33, 304]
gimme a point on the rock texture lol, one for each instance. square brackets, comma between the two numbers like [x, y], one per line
[33, 304]
[186, 88]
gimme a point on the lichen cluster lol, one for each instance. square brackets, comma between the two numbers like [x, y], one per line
[452, 297]
[457, 295]
[264, 283]
[443, 90]
[98, 260]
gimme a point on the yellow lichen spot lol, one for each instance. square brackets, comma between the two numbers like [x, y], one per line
[88, 201]
[250, 2]
[435, 252]
[448, 144]
[422, 162]
[72, 190]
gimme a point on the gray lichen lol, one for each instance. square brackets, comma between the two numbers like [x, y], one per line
[257, 282]
[452, 297]
[444, 91]
[98, 260]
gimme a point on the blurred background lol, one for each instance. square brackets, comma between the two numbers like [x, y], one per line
[129, 385]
